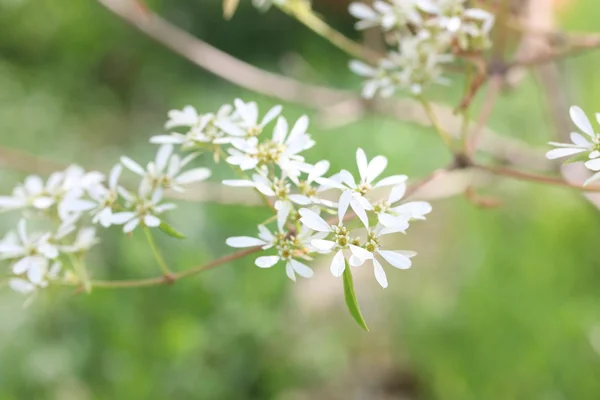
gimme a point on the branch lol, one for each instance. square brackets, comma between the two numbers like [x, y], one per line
[527, 176]
[316, 97]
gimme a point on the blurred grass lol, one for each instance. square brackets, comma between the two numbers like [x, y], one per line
[499, 304]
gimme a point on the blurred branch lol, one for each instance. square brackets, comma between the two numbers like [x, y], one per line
[336, 103]
[21, 161]
[527, 176]
[301, 11]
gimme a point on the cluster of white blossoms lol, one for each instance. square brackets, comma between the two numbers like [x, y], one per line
[584, 147]
[302, 194]
[423, 35]
[266, 151]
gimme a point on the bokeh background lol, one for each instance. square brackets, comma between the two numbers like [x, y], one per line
[501, 303]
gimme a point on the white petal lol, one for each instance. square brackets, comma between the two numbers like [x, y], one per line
[239, 183]
[121, 217]
[323, 245]
[34, 184]
[43, 202]
[271, 115]
[343, 204]
[379, 274]
[244, 241]
[22, 265]
[593, 165]
[361, 162]
[131, 225]
[289, 271]
[193, 175]
[414, 209]
[338, 264]
[361, 69]
[299, 129]
[115, 173]
[283, 212]
[302, 269]
[581, 120]
[299, 199]
[37, 270]
[162, 156]
[280, 131]
[397, 193]
[361, 11]
[151, 221]
[579, 140]
[392, 180]
[10, 202]
[396, 259]
[21, 286]
[563, 152]
[318, 170]
[391, 221]
[359, 209]
[347, 179]
[266, 261]
[376, 167]
[359, 252]
[132, 166]
[313, 220]
[355, 261]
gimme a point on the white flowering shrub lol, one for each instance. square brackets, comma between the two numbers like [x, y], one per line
[341, 216]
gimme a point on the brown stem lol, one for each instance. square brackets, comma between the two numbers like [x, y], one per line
[484, 115]
[169, 279]
[531, 177]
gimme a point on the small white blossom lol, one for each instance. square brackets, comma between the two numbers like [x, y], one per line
[588, 142]
[145, 212]
[165, 171]
[30, 254]
[247, 125]
[397, 258]
[340, 240]
[289, 247]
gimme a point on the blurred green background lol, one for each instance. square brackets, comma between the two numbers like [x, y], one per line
[500, 304]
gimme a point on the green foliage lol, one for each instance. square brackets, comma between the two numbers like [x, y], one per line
[351, 301]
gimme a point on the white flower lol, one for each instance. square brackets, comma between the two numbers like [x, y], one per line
[202, 129]
[288, 246]
[86, 238]
[282, 150]
[104, 198]
[275, 187]
[26, 286]
[398, 216]
[588, 143]
[339, 241]
[388, 15]
[248, 125]
[146, 211]
[397, 258]
[354, 192]
[309, 192]
[31, 254]
[165, 171]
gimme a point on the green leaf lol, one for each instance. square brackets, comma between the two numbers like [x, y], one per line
[582, 157]
[351, 301]
[169, 230]
[229, 7]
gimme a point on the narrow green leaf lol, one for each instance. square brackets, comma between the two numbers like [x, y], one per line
[229, 7]
[578, 158]
[351, 301]
[169, 230]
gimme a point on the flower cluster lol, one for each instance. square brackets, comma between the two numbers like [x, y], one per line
[301, 231]
[266, 151]
[584, 147]
[68, 206]
[423, 35]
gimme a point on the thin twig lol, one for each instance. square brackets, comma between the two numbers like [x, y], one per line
[485, 113]
[531, 177]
